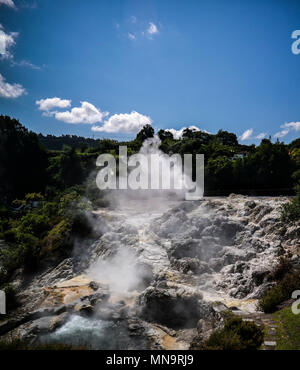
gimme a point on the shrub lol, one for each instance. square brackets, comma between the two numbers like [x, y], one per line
[34, 197]
[281, 269]
[290, 212]
[236, 335]
[10, 236]
[3, 211]
[50, 209]
[280, 292]
[30, 252]
[57, 238]
[35, 224]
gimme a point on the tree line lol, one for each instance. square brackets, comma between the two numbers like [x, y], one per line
[28, 162]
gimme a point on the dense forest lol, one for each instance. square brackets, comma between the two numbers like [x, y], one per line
[37, 163]
[48, 188]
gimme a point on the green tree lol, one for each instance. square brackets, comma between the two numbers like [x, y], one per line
[164, 135]
[23, 162]
[227, 138]
[146, 132]
[71, 171]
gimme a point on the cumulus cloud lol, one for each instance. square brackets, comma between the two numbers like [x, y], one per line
[261, 136]
[8, 90]
[9, 3]
[7, 40]
[292, 125]
[50, 103]
[281, 133]
[287, 127]
[247, 134]
[177, 134]
[131, 36]
[152, 29]
[86, 113]
[125, 122]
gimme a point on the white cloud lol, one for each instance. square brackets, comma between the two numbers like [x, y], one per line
[177, 134]
[152, 29]
[261, 136]
[292, 125]
[8, 90]
[9, 3]
[86, 113]
[125, 122]
[7, 40]
[131, 36]
[133, 19]
[50, 103]
[287, 127]
[247, 134]
[25, 63]
[281, 133]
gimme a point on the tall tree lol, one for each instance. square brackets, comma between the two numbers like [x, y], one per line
[23, 162]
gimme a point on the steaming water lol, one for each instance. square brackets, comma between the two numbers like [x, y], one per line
[136, 237]
[140, 234]
[93, 334]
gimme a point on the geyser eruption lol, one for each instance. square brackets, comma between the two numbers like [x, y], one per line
[121, 272]
[156, 274]
[151, 169]
[161, 262]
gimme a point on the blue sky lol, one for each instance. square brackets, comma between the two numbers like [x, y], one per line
[114, 65]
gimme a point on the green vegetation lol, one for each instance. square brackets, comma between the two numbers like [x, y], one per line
[286, 281]
[236, 335]
[33, 235]
[288, 329]
[291, 211]
[266, 169]
[43, 203]
[19, 150]
[230, 167]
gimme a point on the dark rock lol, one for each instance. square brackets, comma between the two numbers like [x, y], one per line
[219, 307]
[58, 321]
[93, 285]
[186, 248]
[258, 275]
[175, 309]
[187, 264]
[84, 307]
[250, 204]
[216, 264]
[40, 326]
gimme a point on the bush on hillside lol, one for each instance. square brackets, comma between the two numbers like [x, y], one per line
[280, 292]
[236, 335]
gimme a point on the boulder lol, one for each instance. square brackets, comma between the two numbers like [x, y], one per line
[259, 275]
[174, 308]
[194, 265]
